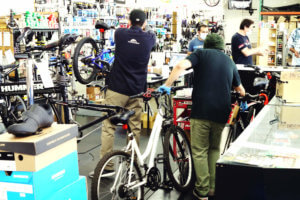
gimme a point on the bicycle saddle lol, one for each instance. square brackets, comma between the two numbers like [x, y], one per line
[62, 43]
[122, 118]
[101, 25]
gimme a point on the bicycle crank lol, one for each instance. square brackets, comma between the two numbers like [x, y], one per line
[153, 179]
[125, 193]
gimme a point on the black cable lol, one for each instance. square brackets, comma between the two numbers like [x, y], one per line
[90, 149]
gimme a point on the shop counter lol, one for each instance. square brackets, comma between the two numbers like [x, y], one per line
[264, 162]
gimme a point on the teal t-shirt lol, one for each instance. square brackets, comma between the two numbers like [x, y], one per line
[214, 75]
[196, 44]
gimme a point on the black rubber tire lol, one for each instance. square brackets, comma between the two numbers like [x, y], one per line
[76, 58]
[102, 163]
[168, 154]
[231, 136]
[249, 116]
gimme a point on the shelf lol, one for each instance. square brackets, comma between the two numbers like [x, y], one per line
[280, 13]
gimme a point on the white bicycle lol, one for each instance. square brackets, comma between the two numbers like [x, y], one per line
[133, 170]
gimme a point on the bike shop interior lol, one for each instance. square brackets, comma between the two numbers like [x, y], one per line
[62, 60]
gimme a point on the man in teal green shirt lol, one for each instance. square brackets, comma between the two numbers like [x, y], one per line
[215, 74]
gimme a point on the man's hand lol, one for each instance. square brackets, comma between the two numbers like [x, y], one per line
[297, 54]
[262, 51]
[164, 88]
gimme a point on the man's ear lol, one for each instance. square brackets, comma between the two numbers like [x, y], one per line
[129, 23]
[144, 25]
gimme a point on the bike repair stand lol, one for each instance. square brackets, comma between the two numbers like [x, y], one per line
[166, 184]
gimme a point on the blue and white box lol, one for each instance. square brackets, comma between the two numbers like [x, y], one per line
[39, 185]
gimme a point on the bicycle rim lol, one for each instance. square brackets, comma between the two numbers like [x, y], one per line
[178, 156]
[114, 185]
[212, 3]
[84, 70]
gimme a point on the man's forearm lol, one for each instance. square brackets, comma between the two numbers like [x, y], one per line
[250, 52]
[174, 75]
[178, 69]
[292, 50]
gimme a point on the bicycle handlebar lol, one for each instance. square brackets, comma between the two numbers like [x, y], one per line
[3, 67]
[246, 97]
[153, 93]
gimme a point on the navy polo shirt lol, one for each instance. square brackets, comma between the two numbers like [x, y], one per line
[238, 43]
[129, 72]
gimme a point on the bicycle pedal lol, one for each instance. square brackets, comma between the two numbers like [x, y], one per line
[160, 159]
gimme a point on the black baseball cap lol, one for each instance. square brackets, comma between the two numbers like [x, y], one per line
[137, 16]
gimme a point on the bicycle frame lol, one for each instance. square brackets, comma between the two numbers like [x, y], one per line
[101, 56]
[150, 151]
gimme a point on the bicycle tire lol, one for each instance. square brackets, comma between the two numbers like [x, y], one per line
[249, 116]
[14, 111]
[98, 172]
[210, 3]
[231, 136]
[184, 181]
[76, 61]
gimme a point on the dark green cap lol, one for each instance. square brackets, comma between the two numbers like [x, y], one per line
[214, 41]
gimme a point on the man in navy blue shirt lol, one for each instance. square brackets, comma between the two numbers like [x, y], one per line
[198, 42]
[241, 46]
[128, 76]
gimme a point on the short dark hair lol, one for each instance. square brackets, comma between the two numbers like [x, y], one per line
[137, 17]
[247, 23]
[201, 26]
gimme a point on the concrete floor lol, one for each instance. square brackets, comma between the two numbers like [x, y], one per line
[88, 151]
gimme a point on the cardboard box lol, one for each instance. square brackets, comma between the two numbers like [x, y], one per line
[287, 89]
[294, 18]
[41, 184]
[281, 19]
[37, 144]
[270, 18]
[292, 26]
[10, 161]
[289, 117]
[74, 191]
[93, 93]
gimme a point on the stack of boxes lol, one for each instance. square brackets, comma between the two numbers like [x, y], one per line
[288, 90]
[41, 167]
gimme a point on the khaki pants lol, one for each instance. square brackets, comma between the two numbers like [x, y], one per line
[108, 129]
[205, 143]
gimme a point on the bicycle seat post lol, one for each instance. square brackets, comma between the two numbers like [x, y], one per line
[102, 39]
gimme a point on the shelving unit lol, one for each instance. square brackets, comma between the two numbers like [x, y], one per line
[268, 37]
[281, 50]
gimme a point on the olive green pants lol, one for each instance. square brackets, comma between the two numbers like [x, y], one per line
[108, 129]
[205, 143]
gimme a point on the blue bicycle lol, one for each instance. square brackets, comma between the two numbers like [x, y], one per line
[91, 61]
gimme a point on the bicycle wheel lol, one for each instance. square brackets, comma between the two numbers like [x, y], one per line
[16, 106]
[84, 71]
[212, 3]
[114, 185]
[231, 137]
[179, 164]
